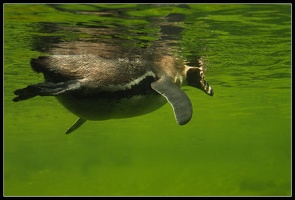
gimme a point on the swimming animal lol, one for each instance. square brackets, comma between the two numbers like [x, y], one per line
[97, 88]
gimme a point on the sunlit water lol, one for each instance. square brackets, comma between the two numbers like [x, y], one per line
[238, 142]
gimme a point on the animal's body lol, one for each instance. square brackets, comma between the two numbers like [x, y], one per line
[96, 88]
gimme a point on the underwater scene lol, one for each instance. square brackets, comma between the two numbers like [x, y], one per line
[237, 143]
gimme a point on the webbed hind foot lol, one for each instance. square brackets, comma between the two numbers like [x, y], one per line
[45, 89]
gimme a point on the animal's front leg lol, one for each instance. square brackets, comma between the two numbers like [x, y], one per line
[46, 89]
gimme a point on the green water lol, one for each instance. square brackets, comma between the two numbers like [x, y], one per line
[238, 142]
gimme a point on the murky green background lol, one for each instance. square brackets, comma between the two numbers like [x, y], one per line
[237, 143]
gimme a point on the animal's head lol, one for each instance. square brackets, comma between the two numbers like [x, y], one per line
[195, 77]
